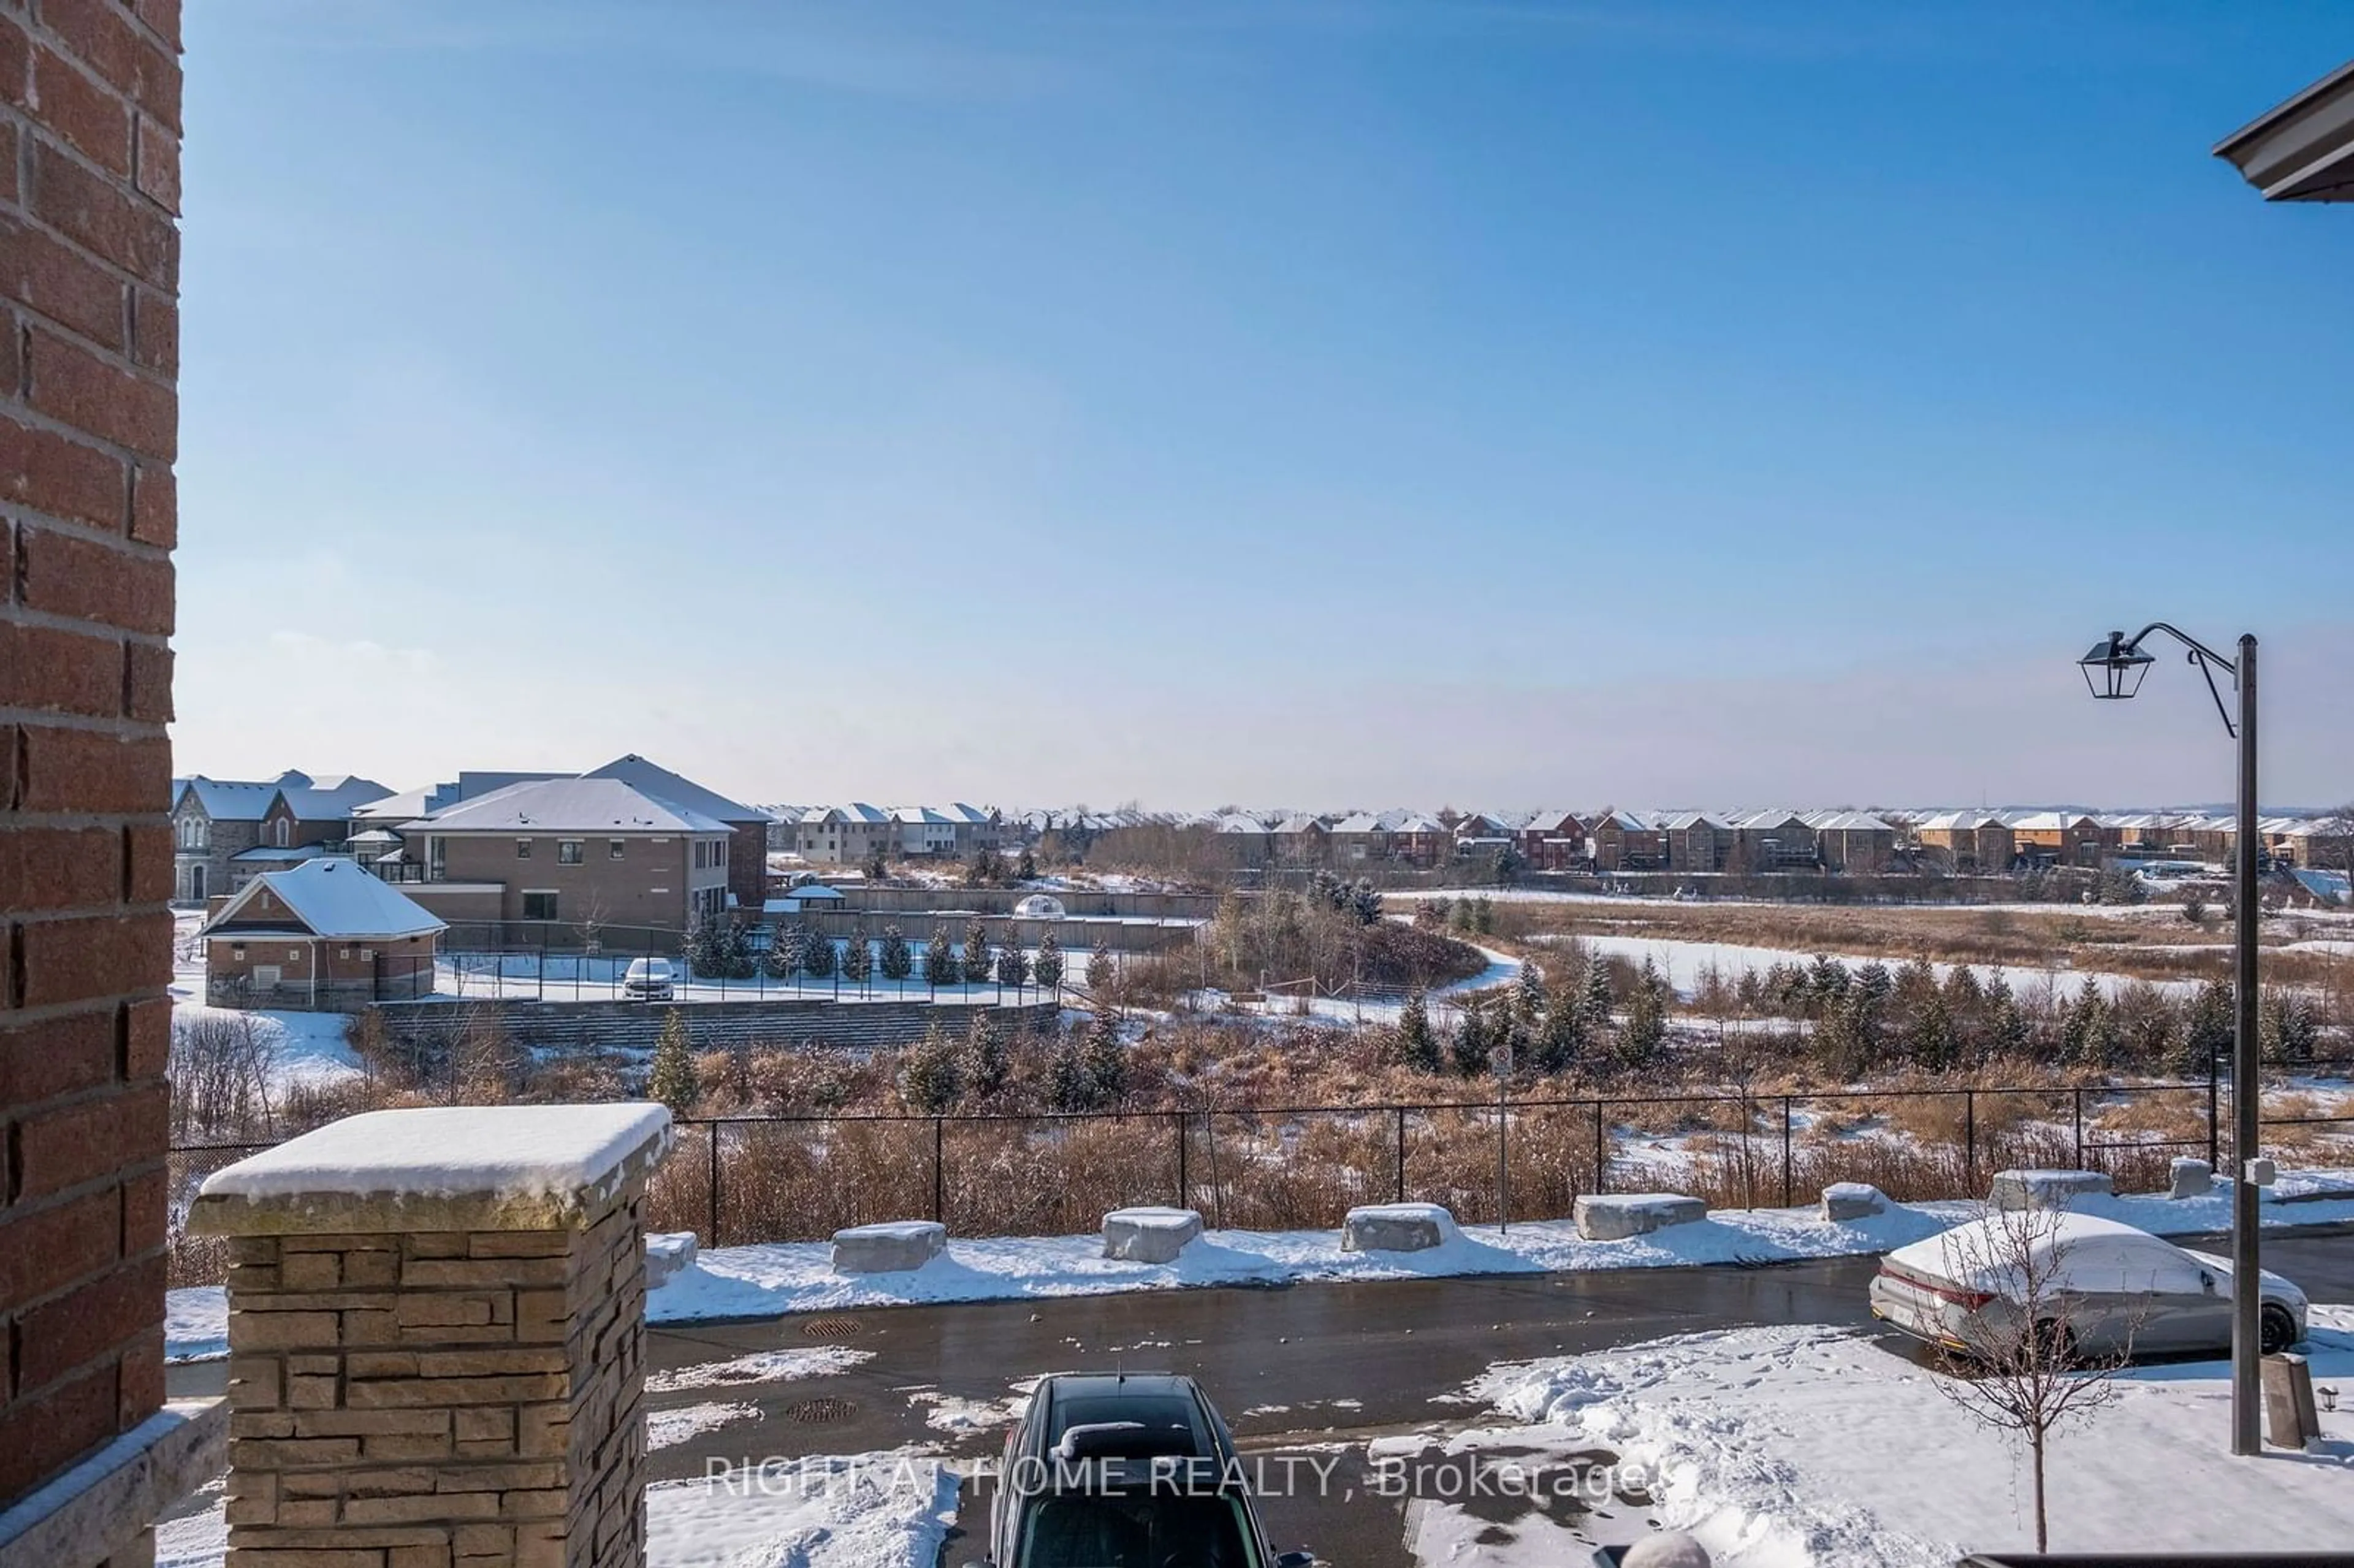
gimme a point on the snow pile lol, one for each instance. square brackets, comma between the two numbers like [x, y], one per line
[762, 1366]
[507, 1151]
[1815, 1447]
[304, 1048]
[669, 1428]
[196, 1323]
[797, 1276]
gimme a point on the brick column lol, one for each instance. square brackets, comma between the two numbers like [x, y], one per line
[89, 183]
[437, 1321]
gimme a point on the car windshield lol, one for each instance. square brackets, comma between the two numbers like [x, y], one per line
[1142, 1531]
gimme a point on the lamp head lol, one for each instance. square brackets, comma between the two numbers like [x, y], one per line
[2115, 668]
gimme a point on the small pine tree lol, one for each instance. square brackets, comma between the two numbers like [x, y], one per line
[2006, 1025]
[2285, 1030]
[875, 868]
[930, 1078]
[1529, 997]
[2209, 1031]
[1561, 1037]
[1105, 1060]
[1646, 1031]
[857, 960]
[1597, 1004]
[1026, 868]
[941, 965]
[818, 957]
[987, 1062]
[1417, 1046]
[743, 963]
[1012, 964]
[707, 950]
[1931, 1044]
[1068, 1085]
[897, 960]
[1101, 970]
[1469, 1046]
[1049, 965]
[783, 958]
[673, 1080]
[976, 954]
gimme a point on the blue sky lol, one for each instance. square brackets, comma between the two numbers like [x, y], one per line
[1309, 403]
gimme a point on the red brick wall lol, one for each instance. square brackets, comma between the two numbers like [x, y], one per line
[89, 185]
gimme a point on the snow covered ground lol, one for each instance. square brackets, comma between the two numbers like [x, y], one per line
[768, 1279]
[1814, 1447]
[1683, 963]
[867, 1510]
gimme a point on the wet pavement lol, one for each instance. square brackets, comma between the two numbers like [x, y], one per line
[1312, 1373]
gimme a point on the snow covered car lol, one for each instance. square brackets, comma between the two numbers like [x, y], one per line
[2099, 1288]
[1125, 1470]
[648, 980]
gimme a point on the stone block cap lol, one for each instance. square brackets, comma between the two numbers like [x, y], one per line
[457, 1168]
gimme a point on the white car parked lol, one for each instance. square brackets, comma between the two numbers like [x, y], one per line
[649, 980]
[2103, 1287]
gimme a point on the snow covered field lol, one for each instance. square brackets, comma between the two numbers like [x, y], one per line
[1684, 962]
[1813, 1448]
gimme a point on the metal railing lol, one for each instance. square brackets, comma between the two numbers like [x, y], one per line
[778, 1178]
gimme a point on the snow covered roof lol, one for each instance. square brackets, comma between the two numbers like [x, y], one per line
[1416, 822]
[855, 811]
[1298, 825]
[334, 897]
[332, 801]
[1757, 820]
[1358, 822]
[1236, 823]
[957, 811]
[1683, 821]
[917, 817]
[1554, 820]
[1624, 820]
[269, 854]
[571, 805]
[660, 783]
[232, 799]
[407, 806]
[1852, 822]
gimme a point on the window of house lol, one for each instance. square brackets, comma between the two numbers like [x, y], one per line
[342, 953]
[237, 951]
[567, 851]
[522, 848]
[281, 832]
[613, 849]
[293, 955]
[368, 955]
[702, 856]
[539, 906]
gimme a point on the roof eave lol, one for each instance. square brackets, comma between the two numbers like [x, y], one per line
[2302, 150]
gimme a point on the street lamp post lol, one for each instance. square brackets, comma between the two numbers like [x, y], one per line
[2114, 669]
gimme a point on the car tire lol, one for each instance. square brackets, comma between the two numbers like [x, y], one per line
[2276, 1329]
[2060, 1339]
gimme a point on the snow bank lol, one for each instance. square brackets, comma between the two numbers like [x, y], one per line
[196, 1323]
[761, 1366]
[1813, 1448]
[305, 1048]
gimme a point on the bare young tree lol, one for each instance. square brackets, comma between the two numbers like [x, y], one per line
[221, 1069]
[2026, 1374]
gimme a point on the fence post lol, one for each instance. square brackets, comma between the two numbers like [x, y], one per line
[1401, 1154]
[1601, 1155]
[711, 1137]
[1970, 1140]
[2214, 1124]
[1787, 1196]
[2077, 1094]
[940, 1170]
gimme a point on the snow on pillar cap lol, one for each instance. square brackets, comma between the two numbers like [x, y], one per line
[455, 1167]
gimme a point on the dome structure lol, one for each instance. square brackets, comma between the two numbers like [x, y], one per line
[1040, 906]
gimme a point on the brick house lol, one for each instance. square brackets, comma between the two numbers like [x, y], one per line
[1773, 840]
[568, 856]
[1553, 840]
[845, 835]
[1357, 838]
[2059, 838]
[748, 826]
[1696, 841]
[1627, 841]
[1968, 842]
[1856, 842]
[1299, 840]
[325, 934]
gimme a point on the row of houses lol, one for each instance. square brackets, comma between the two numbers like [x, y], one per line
[1619, 839]
[855, 833]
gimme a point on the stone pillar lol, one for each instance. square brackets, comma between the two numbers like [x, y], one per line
[437, 1323]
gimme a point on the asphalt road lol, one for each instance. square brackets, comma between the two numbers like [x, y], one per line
[1314, 1369]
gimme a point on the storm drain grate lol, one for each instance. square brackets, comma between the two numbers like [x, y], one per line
[818, 1412]
[832, 1329]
